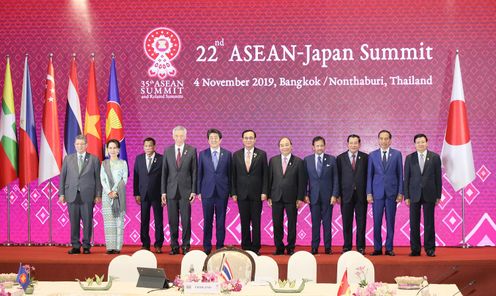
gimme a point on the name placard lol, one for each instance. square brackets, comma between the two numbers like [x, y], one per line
[201, 288]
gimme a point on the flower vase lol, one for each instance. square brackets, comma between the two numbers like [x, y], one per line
[29, 290]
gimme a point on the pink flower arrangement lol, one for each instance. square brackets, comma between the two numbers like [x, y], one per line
[3, 292]
[208, 277]
[375, 289]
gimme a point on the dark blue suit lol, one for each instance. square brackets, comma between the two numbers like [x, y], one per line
[214, 185]
[147, 185]
[384, 183]
[320, 190]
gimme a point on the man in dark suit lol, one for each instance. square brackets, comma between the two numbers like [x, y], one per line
[287, 183]
[81, 188]
[384, 189]
[179, 187]
[249, 188]
[423, 186]
[146, 187]
[214, 184]
[323, 190]
[352, 172]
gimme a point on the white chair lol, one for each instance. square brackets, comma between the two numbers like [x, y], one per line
[122, 268]
[266, 269]
[193, 259]
[302, 265]
[144, 258]
[241, 263]
[252, 254]
[353, 261]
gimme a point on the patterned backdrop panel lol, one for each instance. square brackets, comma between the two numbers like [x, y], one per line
[283, 68]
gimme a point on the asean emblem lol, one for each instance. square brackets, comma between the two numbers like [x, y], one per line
[162, 45]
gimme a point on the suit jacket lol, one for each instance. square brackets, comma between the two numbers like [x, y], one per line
[253, 183]
[147, 184]
[385, 182]
[290, 186]
[327, 184]
[87, 183]
[349, 179]
[182, 178]
[428, 183]
[210, 178]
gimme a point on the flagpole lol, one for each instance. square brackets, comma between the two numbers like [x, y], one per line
[8, 215]
[50, 241]
[464, 245]
[29, 215]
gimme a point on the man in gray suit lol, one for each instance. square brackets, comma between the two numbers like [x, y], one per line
[81, 188]
[178, 187]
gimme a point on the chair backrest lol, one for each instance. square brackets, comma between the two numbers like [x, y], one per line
[355, 262]
[240, 262]
[252, 254]
[302, 265]
[144, 258]
[193, 259]
[267, 269]
[123, 269]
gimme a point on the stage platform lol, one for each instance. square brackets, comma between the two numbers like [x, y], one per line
[451, 265]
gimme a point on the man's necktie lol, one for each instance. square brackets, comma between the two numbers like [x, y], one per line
[353, 161]
[284, 165]
[178, 158]
[384, 159]
[215, 160]
[422, 163]
[319, 165]
[80, 163]
[149, 164]
[247, 161]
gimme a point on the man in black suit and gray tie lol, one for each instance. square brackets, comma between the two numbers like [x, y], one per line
[352, 172]
[81, 188]
[179, 187]
[249, 188]
[287, 183]
[147, 182]
[423, 187]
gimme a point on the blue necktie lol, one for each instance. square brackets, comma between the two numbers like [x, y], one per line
[384, 159]
[215, 159]
[319, 165]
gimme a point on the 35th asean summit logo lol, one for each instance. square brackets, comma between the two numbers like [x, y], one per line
[162, 46]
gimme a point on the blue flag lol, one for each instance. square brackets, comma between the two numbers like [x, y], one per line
[23, 277]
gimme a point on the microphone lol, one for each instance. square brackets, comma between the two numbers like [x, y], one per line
[471, 283]
[453, 270]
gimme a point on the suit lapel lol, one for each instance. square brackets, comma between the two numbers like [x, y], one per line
[389, 159]
[427, 161]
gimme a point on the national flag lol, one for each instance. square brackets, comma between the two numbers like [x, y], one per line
[456, 154]
[344, 286]
[73, 125]
[28, 145]
[8, 137]
[114, 126]
[23, 277]
[50, 152]
[225, 271]
[92, 125]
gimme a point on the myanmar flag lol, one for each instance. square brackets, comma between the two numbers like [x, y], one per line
[8, 137]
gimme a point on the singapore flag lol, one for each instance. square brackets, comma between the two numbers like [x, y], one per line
[457, 155]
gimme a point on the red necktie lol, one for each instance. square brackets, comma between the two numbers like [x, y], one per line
[178, 158]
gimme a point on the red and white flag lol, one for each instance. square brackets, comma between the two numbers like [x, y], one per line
[456, 155]
[50, 151]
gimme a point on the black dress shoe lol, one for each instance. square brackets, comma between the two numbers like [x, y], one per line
[257, 253]
[145, 248]
[74, 251]
[315, 251]
[185, 250]
[414, 253]
[431, 253]
[109, 252]
[346, 250]
[376, 253]
[361, 251]
[86, 251]
[390, 253]
[117, 251]
[290, 252]
[207, 251]
[158, 250]
[174, 251]
[279, 252]
[328, 251]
